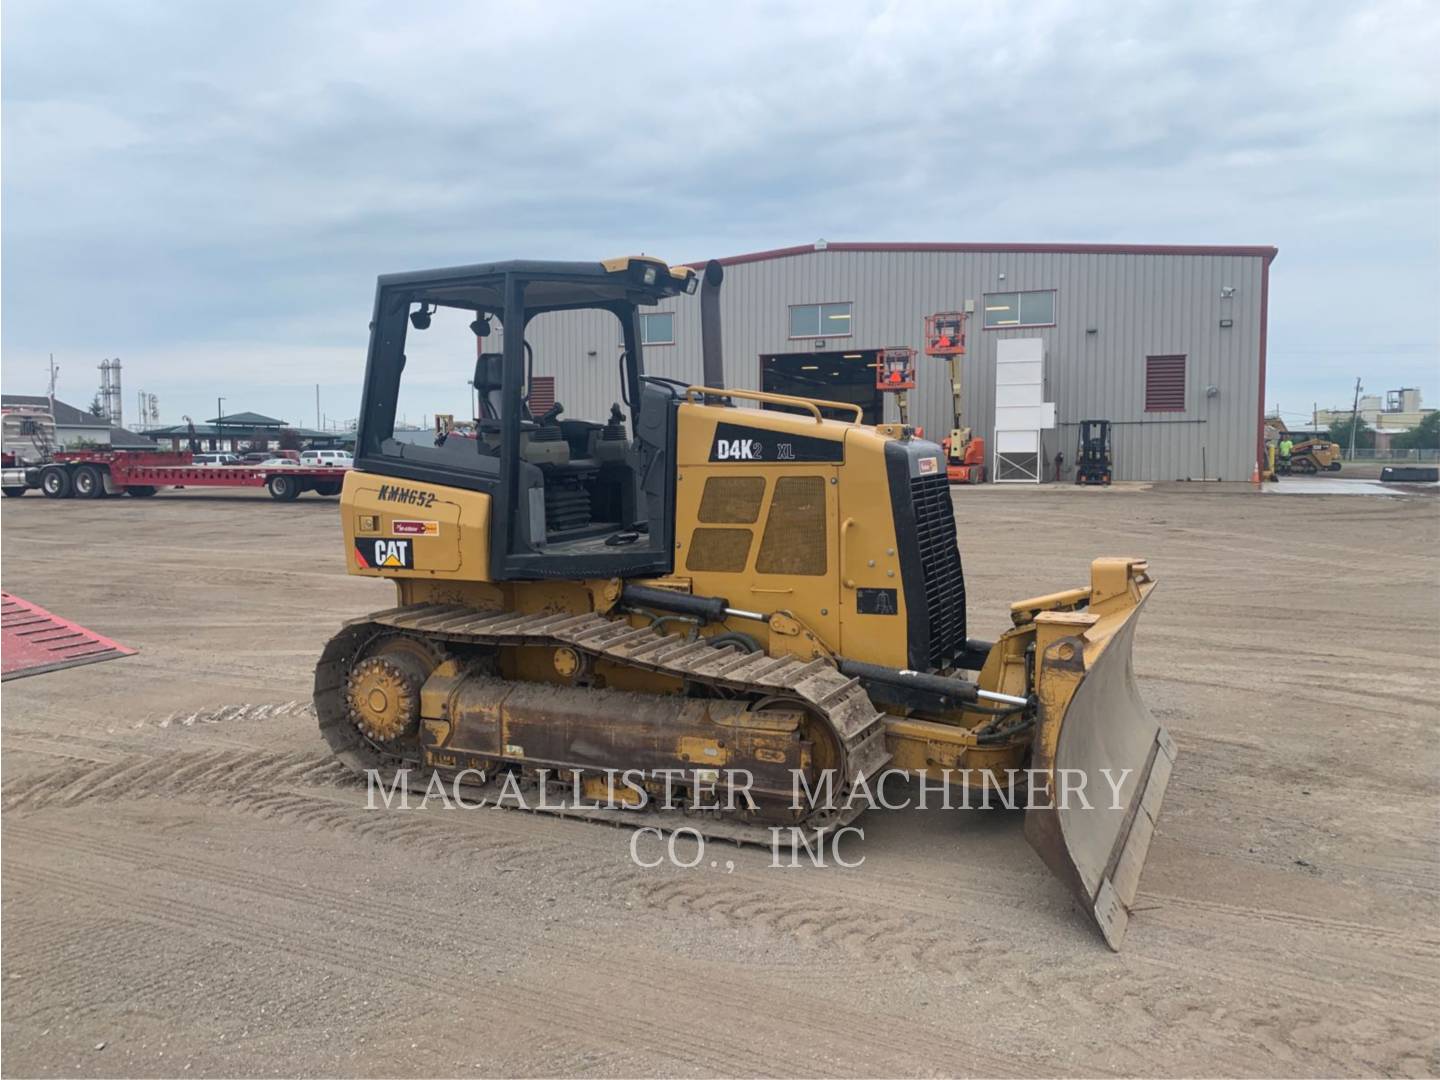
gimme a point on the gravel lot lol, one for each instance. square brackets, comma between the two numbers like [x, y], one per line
[191, 888]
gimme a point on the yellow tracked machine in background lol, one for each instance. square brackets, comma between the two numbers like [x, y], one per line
[692, 586]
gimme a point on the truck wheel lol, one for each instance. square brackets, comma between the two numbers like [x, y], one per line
[55, 483]
[14, 492]
[327, 488]
[283, 488]
[1334, 466]
[89, 482]
[140, 491]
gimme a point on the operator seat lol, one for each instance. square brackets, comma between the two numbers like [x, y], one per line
[488, 382]
[540, 444]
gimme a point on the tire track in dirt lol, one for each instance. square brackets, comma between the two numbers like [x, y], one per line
[541, 1013]
[1209, 778]
[228, 714]
[865, 933]
[71, 748]
[70, 975]
[1150, 988]
[172, 774]
[1365, 934]
[807, 914]
[737, 998]
[230, 777]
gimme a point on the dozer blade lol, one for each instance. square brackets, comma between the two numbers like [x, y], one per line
[1093, 728]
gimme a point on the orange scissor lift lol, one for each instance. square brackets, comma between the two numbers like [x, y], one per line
[964, 455]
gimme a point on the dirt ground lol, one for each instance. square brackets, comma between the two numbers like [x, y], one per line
[191, 888]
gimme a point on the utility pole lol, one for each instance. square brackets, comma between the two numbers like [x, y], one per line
[1354, 417]
[317, 404]
[219, 420]
[53, 372]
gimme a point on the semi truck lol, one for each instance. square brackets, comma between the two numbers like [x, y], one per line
[31, 462]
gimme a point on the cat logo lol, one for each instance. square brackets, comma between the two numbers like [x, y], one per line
[379, 553]
[739, 450]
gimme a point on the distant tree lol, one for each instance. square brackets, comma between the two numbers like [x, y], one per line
[97, 407]
[82, 444]
[289, 440]
[1423, 436]
[1364, 433]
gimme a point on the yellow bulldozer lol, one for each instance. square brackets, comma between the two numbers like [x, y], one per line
[1307, 456]
[693, 589]
[1313, 456]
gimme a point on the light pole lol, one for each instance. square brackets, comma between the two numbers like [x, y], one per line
[1354, 418]
[219, 420]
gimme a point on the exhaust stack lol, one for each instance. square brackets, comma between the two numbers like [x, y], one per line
[712, 356]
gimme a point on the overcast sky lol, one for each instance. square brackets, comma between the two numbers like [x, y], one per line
[208, 190]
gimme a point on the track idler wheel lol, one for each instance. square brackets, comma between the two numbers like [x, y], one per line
[367, 695]
[382, 695]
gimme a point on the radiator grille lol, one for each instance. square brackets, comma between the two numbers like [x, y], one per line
[940, 567]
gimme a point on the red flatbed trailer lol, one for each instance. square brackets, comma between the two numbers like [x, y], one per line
[90, 474]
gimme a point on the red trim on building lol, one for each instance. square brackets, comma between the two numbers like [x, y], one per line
[1255, 251]
[1264, 335]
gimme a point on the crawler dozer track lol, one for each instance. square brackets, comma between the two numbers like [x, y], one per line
[840, 704]
[539, 650]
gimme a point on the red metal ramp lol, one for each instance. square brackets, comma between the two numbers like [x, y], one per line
[33, 641]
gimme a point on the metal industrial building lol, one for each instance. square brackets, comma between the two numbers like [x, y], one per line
[1165, 342]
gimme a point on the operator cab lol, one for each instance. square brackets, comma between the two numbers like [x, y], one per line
[570, 496]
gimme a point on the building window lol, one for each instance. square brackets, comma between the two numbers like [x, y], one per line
[657, 328]
[820, 320]
[1009, 309]
[1165, 384]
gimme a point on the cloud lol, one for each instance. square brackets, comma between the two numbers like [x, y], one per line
[229, 178]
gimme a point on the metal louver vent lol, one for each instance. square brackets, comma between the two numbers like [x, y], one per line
[940, 566]
[1165, 384]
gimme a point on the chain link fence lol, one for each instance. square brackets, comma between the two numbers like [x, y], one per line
[1392, 457]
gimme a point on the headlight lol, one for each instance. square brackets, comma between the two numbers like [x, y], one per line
[649, 276]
